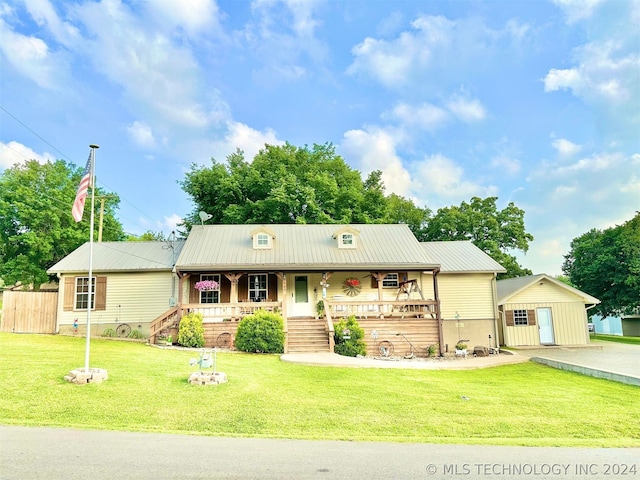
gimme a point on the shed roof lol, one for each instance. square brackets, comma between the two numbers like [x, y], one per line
[303, 247]
[509, 287]
[121, 256]
[461, 256]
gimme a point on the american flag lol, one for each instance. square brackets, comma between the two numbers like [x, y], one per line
[78, 204]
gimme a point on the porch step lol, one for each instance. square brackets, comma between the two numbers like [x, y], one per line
[307, 335]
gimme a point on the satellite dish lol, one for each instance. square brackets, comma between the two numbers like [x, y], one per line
[204, 216]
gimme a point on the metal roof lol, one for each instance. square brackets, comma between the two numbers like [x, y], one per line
[461, 256]
[303, 247]
[121, 256]
[510, 286]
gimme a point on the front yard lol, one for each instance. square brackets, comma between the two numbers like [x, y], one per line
[525, 404]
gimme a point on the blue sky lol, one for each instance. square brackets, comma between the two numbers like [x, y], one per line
[533, 102]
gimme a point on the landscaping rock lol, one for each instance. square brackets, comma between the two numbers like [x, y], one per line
[480, 351]
[80, 376]
[207, 378]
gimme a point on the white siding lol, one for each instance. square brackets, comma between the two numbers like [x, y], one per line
[132, 298]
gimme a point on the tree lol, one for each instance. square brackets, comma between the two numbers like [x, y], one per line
[606, 264]
[496, 232]
[36, 226]
[284, 184]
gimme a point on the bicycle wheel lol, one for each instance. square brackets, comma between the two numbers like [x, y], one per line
[123, 330]
[386, 348]
[224, 340]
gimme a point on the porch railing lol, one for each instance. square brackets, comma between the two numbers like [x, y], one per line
[218, 312]
[382, 308]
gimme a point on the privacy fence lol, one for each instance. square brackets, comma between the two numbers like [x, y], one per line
[29, 312]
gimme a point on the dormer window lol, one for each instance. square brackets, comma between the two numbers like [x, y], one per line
[347, 237]
[262, 239]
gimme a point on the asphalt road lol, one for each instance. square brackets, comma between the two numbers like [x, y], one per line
[48, 453]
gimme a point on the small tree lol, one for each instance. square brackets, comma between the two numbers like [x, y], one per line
[191, 331]
[349, 338]
[262, 332]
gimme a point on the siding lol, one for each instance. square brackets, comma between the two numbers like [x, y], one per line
[470, 295]
[547, 292]
[133, 298]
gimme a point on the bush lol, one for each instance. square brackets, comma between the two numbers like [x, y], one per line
[191, 331]
[352, 346]
[262, 332]
[109, 332]
[136, 334]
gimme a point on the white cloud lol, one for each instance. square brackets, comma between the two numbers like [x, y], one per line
[466, 110]
[576, 10]
[170, 223]
[15, 153]
[424, 116]
[44, 14]
[142, 134]
[195, 17]
[566, 148]
[375, 149]
[247, 139]
[507, 164]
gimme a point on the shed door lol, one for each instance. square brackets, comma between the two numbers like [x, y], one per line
[545, 326]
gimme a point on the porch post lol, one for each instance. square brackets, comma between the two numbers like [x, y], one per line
[181, 279]
[379, 278]
[283, 277]
[438, 313]
[233, 278]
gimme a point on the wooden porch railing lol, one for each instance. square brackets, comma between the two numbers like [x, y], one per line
[229, 311]
[382, 308]
[166, 320]
[330, 329]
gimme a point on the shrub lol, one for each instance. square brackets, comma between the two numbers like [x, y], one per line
[262, 332]
[109, 332]
[352, 346]
[433, 350]
[136, 334]
[191, 331]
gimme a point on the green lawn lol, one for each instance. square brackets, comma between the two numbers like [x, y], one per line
[525, 404]
[616, 338]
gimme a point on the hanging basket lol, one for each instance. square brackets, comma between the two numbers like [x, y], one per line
[207, 286]
[352, 286]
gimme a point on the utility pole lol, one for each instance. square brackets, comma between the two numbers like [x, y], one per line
[102, 198]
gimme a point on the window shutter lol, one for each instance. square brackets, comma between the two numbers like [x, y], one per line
[243, 288]
[531, 317]
[374, 282]
[101, 293]
[509, 318]
[69, 293]
[272, 288]
[225, 289]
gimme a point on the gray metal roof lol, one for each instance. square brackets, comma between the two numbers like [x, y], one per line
[121, 256]
[510, 286]
[302, 247]
[460, 256]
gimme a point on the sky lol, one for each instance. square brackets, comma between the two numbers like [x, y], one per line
[534, 102]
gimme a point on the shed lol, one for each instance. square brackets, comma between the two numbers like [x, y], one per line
[540, 310]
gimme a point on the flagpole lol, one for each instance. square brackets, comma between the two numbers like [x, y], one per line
[91, 301]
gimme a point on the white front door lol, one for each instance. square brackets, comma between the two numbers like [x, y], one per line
[545, 325]
[301, 305]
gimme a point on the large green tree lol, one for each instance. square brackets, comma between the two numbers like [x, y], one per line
[606, 264]
[284, 184]
[36, 226]
[496, 232]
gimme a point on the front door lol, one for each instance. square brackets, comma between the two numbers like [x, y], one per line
[545, 325]
[301, 303]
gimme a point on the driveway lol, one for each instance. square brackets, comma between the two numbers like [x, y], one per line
[615, 361]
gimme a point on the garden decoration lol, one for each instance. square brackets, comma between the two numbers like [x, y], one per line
[352, 286]
[207, 360]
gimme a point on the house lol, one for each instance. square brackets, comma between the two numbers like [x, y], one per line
[404, 293]
[540, 310]
[134, 283]
[610, 325]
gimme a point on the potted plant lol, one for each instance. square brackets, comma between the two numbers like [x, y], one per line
[169, 340]
[461, 349]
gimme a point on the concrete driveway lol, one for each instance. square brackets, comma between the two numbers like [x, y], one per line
[614, 361]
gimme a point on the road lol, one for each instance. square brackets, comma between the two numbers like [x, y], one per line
[29, 453]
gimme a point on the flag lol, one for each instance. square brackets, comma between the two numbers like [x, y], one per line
[78, 204]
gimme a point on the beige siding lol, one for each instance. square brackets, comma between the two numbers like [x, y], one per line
[569, 324]
[545, 291]
[475, 332]
[132, 298]
[469, 295]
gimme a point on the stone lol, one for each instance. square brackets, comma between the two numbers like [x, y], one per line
[480, 351]
[207, 378]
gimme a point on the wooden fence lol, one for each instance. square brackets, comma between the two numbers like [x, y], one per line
[29, 312]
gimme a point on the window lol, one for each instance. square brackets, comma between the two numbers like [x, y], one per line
[262, 240]
[210, 296]
[347, 238]
[82, 293]
[390, 281]
[520, 317]
[258, 287]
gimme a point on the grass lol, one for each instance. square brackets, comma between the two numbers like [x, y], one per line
[616, 338]
[524, 404]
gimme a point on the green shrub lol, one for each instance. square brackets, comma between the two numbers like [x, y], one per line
[191, 331]
[136, 334]
[433, 350]
[352, 346]
[262, 332]
[109, 332]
